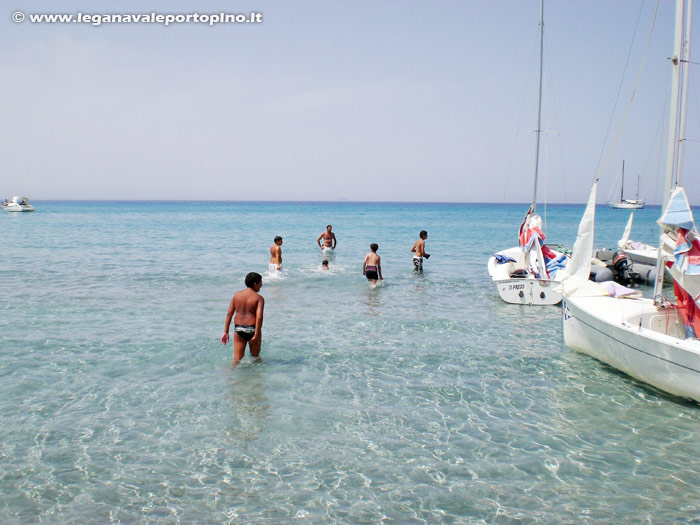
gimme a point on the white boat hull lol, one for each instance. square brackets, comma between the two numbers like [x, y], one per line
[17, 204]
[649, 256]
[626, 205]
[538, 292]
[529, 291]
[17, 207]
[636, 337]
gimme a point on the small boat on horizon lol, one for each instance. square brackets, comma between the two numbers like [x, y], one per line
[17, 204]
[626, 204]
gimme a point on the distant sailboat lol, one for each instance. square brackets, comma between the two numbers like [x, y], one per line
[627, 204]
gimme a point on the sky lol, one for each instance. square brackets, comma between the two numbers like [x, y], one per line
[395, 100]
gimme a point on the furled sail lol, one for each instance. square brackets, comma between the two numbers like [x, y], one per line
[579, 267]
[622, 243]
[677, 222]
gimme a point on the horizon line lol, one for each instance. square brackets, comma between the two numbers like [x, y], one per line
[344, 201]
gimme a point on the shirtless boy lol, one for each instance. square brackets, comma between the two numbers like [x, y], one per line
[329, 240]
[372, 265]
[248, 305]
[419, 250]
[276, 256]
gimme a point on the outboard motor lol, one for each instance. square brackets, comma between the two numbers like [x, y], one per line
[622, 271]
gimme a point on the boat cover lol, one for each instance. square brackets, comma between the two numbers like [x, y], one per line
[502, 259]
[678, 219]
[531, 239]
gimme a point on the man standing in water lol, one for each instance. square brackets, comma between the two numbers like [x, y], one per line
[329, 241]
[419, 250]
[276, 256]
[248, 305]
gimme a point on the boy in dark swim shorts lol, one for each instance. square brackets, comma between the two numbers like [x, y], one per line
[248, 305]
[372, 265]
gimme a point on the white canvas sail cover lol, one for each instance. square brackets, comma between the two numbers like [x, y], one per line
[677, 213]
[678, 222]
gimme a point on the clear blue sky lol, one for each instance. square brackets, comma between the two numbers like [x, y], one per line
[327, 100]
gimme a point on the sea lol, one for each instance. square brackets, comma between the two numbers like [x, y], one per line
[424, 400]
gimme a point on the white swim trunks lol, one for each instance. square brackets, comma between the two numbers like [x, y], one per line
[417, 264]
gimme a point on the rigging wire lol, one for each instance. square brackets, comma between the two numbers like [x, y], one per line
[544, 183]
[520, 118]
[619, 87]
[555, 110]
[657, 141]
[660, 160]
[600, 169]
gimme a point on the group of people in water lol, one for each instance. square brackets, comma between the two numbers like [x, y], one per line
[247, 306]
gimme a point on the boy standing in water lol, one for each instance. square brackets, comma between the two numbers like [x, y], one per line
[248, 305]
[419, 250]
[276, 256]
[372, 265]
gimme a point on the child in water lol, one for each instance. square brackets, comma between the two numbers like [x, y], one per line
[372, 265]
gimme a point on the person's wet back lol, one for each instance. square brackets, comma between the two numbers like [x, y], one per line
[247, 306]
[372, 265]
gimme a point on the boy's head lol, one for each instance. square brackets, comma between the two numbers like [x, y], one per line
[252, 279]
[374, 246]
[329, 228]
[278, 240]
[324, 263]
[423, 234]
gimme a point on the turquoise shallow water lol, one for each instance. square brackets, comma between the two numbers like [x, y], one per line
[426, 400]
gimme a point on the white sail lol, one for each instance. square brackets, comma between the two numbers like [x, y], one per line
[579, 266]
[622, 243]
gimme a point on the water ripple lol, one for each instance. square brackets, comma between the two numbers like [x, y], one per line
[426, 400]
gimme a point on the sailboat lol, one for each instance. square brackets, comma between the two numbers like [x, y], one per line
[651, 340]
[627, 204]
[528, 273]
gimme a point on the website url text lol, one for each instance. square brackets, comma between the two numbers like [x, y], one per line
[139, 18]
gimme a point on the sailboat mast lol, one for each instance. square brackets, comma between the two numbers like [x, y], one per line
[673, 110]
[538, 131]
[684, 95]
[622, 184]
[672, 137]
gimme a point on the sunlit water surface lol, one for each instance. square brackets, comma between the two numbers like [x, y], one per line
[425, 400]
